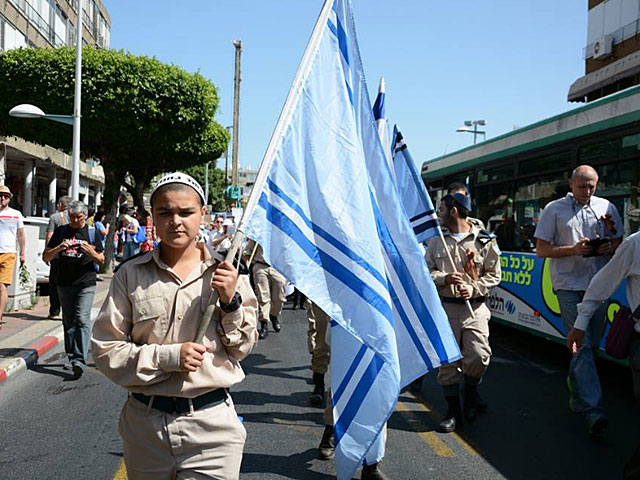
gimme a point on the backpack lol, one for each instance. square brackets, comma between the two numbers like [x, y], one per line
[141, 235]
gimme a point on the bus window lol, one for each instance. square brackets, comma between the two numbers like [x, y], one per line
[532, 195]
[618, 183]
[495, 208]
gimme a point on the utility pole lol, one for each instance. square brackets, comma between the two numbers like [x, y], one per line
[236, 113]
[206, 184]
[75, 163]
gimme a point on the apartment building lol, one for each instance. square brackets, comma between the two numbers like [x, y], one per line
[612, 51]
[38, 174]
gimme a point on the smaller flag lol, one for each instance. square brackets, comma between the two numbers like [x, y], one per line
[381, 121]
[415, 198]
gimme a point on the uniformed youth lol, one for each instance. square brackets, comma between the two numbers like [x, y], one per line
[179, 421]
[476, 257]
[269, 284]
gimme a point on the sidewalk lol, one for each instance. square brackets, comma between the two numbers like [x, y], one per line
[27, 334]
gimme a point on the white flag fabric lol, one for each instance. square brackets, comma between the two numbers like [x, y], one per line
[415, 198]
[329, 218]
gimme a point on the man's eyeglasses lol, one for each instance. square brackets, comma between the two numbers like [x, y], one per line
[5, 195]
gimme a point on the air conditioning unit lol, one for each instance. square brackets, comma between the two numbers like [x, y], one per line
[602, 47]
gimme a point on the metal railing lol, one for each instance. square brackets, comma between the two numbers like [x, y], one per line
[618, 36]
[40, 23]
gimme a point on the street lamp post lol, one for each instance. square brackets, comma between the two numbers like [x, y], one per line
[26, 110]
[473, 123]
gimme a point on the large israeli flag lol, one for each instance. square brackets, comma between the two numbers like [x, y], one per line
[415, 198]
[325, 210]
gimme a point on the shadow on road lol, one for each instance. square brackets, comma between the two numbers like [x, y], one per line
[529, 431]
[292, 466]
[256, 364]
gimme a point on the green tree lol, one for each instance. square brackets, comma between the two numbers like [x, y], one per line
[216, 184]
[139, 116]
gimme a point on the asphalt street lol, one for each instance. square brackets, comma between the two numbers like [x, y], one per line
[52, 427]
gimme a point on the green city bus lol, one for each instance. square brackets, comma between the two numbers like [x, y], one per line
[512, 177]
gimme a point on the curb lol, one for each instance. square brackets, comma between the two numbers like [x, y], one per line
[28, 355]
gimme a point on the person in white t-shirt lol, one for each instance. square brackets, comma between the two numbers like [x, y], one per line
[11, 227]
[221, 240]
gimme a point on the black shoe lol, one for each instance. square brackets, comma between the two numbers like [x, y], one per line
[77, 371]
[317, 396]
[373, 472]
[54, 314]
[453, 417]
[275, 322]
[327, 447]
[263, 332]
[469, 398]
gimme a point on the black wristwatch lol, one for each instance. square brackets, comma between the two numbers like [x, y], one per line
[233, 305]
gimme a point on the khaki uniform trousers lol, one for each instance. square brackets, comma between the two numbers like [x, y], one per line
[206, 443]
[269, 285]
[321, 353]
[472, 335]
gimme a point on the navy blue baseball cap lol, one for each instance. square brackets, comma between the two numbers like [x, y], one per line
[461, 199]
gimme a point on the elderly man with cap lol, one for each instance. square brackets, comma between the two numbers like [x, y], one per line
[11, 226]
[179, 420]
[474, 272]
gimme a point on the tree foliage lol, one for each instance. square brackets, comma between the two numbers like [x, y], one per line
[216, 184]
[139, 116]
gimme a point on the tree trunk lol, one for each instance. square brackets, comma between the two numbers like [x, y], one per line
[137, 191]
[112, 182]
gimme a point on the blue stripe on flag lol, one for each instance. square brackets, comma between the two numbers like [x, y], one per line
[324, 260]
[360, 392]
[420, 215]
[326, 235]
[347, 376]
[425, 226]
[338, 30]
[409, 326]
[411, 290]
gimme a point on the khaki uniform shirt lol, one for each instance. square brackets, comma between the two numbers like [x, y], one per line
[147, 315]
[258, 257]
[486, 261]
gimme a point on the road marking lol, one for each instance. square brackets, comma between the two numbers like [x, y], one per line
[437, 445]
[121, 474]
[427, 408]
[297, 428]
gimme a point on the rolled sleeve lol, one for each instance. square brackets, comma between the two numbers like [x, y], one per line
[605, 282]
[237, 329]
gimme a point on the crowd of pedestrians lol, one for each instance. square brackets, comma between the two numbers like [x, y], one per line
[144, 336]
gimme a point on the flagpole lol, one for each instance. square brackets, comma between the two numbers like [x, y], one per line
[269, 156]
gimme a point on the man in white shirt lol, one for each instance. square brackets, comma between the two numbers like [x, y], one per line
[579, 233]
[11, 227]
[221, 240]
[625, 264]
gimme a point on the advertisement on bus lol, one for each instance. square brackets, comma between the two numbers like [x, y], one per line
[525, 296]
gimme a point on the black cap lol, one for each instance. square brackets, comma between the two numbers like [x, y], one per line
[461, 199]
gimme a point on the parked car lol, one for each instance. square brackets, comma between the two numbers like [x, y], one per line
[42, 268]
